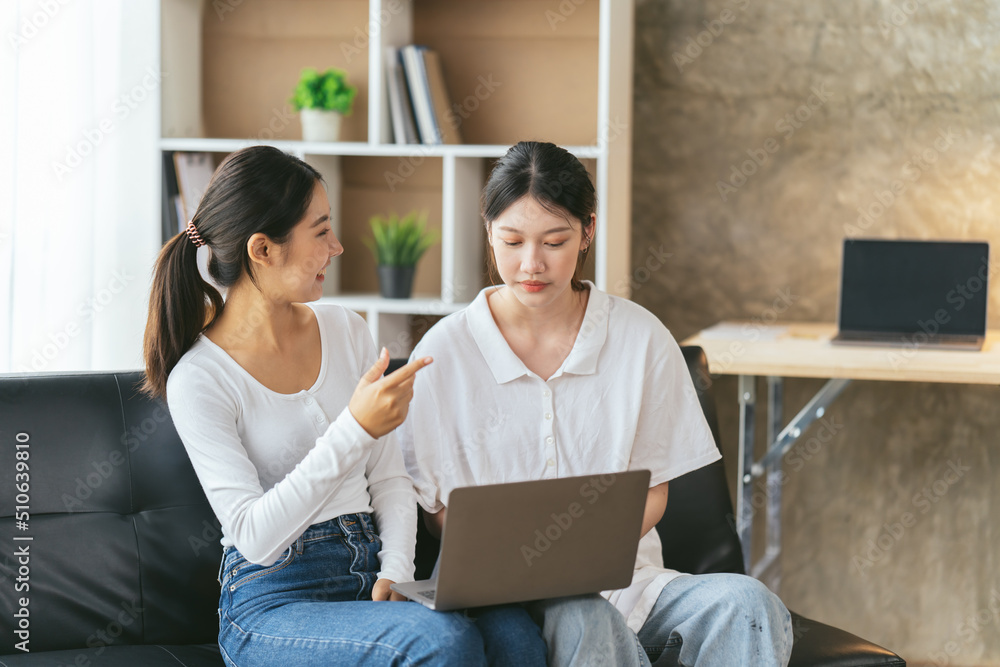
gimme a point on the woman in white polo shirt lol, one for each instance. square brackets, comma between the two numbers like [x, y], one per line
[288, 422]
[546, 376]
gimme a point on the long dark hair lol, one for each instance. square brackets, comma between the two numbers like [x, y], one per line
[550, 175]
[256, 189]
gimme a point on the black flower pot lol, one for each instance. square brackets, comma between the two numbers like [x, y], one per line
[395, 282]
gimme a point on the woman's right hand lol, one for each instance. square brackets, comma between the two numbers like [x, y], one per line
[379, 403]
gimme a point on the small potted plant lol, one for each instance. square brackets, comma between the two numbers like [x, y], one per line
[397, 243]
[322, 100]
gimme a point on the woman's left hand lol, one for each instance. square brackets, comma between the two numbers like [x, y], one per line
[382, 592]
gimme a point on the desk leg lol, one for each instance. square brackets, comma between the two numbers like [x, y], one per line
[744, 488]
[780, 441]
[770, 566]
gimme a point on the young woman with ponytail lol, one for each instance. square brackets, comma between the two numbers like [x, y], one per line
[288, 422]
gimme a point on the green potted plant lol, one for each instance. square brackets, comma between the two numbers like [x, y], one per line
[322, 99]
[397, 243]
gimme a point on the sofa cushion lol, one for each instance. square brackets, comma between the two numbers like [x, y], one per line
[125, 548]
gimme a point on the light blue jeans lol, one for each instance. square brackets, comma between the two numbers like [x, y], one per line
[717, 619]
[586, 630]
[313, 607]
[708, 620]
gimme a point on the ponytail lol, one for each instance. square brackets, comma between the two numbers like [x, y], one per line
[258, 189]
[181, 305]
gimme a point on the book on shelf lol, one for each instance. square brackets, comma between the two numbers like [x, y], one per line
[194, 171]
[416, 84]
[400, 109]
[428, 94]
[440, 101]
[169, 224]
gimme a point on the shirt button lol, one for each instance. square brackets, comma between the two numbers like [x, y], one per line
[548, 415]
[546, 393]
[549, 440]
[550, 463]
[319, 419]
[309, 400]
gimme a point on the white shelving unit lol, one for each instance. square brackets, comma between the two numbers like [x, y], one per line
[560, 72]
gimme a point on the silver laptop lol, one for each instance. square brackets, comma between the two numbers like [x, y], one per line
[536, 540]
[914, 294]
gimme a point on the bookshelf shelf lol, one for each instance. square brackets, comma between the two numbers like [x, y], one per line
[426, 304]
[356, 148]
[514, 69]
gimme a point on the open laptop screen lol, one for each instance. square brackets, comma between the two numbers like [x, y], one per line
[890, 286]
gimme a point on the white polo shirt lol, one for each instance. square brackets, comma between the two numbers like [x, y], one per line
[622, 400]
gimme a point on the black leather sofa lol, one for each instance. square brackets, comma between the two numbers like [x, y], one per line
[119, 551]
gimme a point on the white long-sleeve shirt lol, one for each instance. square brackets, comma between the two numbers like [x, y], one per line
[622, 400]
[274, 464]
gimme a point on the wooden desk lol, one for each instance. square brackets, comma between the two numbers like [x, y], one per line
[748, 350]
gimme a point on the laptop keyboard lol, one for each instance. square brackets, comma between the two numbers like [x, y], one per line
[428, 594]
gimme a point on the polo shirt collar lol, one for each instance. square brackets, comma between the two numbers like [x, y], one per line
[582, 359]
[506, 366]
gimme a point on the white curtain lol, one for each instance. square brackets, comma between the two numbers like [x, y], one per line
[79, 181]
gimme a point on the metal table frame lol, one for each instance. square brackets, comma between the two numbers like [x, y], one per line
[803, 350]
[779, 442]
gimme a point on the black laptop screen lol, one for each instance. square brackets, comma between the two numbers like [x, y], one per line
[904, 287]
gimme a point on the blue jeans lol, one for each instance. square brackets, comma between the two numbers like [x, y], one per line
[313, 607]
[717, 619]
[707, 620]
[586, 631]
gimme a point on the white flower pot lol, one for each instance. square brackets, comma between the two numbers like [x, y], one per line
[320, 125]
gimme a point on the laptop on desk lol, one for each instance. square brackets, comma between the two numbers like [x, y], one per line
[536, 540]
[913, 293]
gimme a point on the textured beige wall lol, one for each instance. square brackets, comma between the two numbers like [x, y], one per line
[896, 101]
